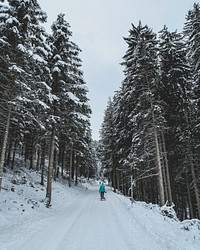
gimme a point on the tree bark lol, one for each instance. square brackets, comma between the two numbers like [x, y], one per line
[14, 153]
[195, 186]
[160, 177]
[76, 170]
[167, 171]
[73, 163]
[8, 153]
[50, 169]
[62, 160]
[42, 162]
[5, 139]
[38, 159]
[189, 199]
[114, 175]
[55, 165]
[70, 168]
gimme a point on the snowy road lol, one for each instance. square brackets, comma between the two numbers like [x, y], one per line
[86, 223]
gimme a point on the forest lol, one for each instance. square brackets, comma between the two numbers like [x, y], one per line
[44, 108]
[149, 139]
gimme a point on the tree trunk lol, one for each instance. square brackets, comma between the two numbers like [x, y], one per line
[9, 149]
[50, 169]
[160, 177]
[62, 161]
[5, 139]
[31, 153]
[14, 153]
[70, 168]
[118, 182]
[114, 175]
[189, 199]
[42, 162]
[55, 165]
[131, 188]
[38, 159]
[167, 171]
[196, 191]
[73, 161]
[76, 170]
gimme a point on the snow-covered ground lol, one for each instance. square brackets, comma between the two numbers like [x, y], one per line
[79, 220]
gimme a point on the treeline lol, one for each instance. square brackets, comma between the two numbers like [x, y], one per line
[44, 110]
[150, 135]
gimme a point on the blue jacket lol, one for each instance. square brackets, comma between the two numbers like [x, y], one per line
[102, 188]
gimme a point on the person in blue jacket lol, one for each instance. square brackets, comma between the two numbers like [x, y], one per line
[102, 190]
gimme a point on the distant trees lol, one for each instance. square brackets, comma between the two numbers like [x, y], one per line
[107, 142]
[153, 119]
[43, 106]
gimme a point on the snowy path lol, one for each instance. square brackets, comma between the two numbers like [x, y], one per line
[87, 223]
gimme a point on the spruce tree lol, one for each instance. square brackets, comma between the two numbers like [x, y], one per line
[29, 95]
[145, 114]
[70, 105]
[175, 74]
[192, 33]
[107, 142]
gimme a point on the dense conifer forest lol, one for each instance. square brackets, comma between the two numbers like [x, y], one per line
[44, 109]
[150, 139]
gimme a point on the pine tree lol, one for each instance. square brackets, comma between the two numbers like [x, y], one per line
[11, 75]
[192, 32]
[70, 107]
[145, 114]
[31, 55]
[175, 81]
[29, 94]
[107, 145]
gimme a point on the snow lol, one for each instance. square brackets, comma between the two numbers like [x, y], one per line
[16, 69]
[79, 220]
[38, 58]
[22, 48]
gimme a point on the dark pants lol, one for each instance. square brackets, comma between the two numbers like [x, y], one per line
[102, 195]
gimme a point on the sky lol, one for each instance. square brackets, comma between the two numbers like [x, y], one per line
[98, 28]
[78, 219]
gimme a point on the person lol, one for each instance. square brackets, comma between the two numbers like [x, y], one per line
[102, 190]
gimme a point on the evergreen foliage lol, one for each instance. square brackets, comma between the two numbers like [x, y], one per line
[44, 95]
[155, 119]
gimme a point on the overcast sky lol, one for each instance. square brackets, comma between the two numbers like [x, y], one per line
[98, 28]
